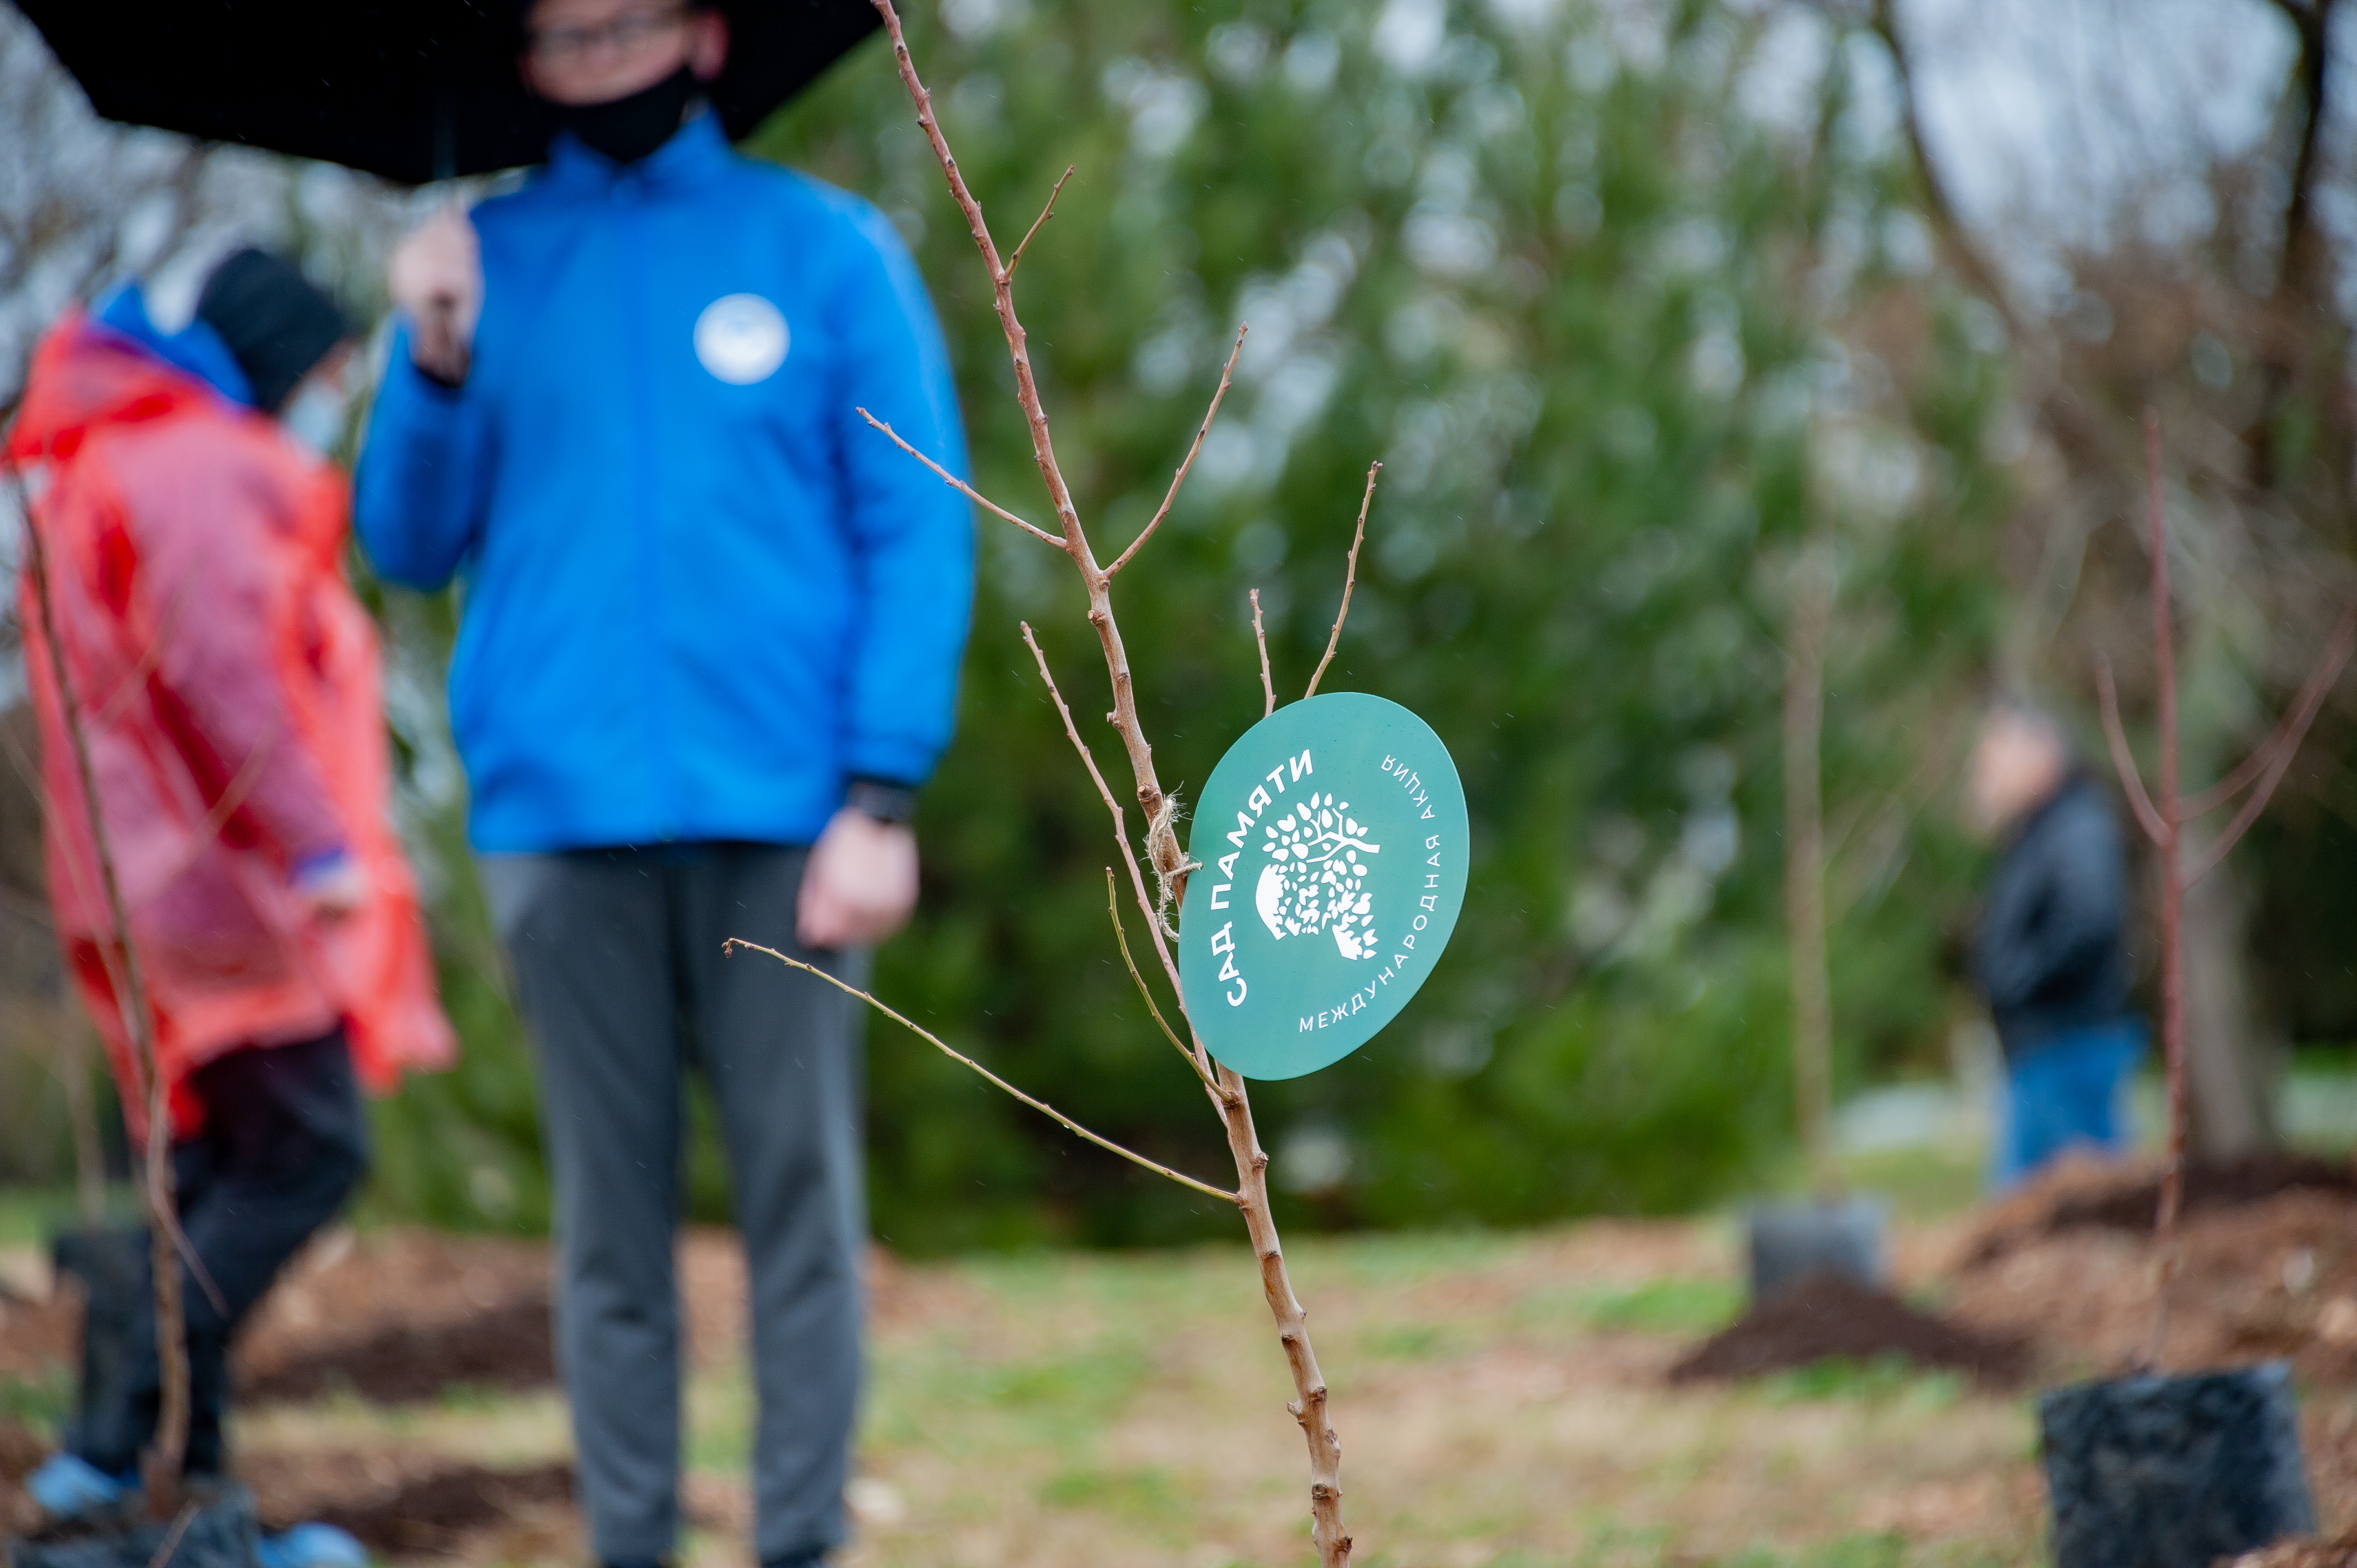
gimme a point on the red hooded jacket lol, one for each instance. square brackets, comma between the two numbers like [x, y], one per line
[228, 680]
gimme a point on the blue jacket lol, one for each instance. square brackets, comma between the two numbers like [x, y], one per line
[699, 593]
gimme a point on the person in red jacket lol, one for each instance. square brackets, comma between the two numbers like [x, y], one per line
[228, 682]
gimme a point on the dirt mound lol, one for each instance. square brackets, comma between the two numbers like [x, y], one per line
[398, 1316]
[1827, 1316]
[2271, 1277]
[506, 1347]
[2084, 1195]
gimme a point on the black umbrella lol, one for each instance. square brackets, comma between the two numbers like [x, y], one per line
[411, 90]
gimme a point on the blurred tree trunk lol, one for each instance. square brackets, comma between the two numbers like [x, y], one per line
[1804, 865]
[2233, 1065]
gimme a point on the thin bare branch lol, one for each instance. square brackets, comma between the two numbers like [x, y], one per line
[2172, 888]
[2245, 774]
[2328, 666]
[959, 485]
[1121, 936]
[1162, 850]
[1260, 641]
[1026, 387]
[1041, 1106]
[2287, 732]
[163, 1461]
[172, 1537]
[1350, 580]
[1089, 761]
[1227, 374]
[1046, 212]
[119, 986]
[1169, 860]
[2122, 761]
[1145, 904]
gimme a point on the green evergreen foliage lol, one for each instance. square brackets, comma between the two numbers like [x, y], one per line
[1622, 336]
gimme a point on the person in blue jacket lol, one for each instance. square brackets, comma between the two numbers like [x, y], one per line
[711, 631]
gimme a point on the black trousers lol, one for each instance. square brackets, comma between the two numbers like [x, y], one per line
[284, 1143]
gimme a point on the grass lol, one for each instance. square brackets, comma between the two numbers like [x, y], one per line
[1499, 1399]
[40, 1402]
[1498, 1406]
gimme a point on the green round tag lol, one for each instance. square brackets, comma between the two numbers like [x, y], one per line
[1334, 849]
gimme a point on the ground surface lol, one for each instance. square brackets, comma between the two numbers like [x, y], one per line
[1502, 1400]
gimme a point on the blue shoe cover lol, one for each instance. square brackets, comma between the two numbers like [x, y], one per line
[69, 1486]
[312, 1546]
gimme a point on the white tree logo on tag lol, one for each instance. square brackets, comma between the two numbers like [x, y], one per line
[1315, 880]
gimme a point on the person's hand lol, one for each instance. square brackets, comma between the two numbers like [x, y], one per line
[435, 277]
[860, 885]
[331, 886]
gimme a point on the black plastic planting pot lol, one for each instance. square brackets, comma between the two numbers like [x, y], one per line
[2151, 1472]
[217, 1532]
[1790, 1241]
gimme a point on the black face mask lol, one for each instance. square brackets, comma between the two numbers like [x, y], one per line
[627, 129]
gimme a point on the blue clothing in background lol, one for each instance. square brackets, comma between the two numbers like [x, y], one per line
[700, 594]
[2066, 1094]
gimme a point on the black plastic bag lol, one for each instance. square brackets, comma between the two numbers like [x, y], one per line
[2152, 1472]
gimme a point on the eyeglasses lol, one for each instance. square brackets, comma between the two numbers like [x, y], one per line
[626, 34]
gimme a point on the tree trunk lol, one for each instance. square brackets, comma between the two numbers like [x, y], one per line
[2234, 1067]
[1804, 867]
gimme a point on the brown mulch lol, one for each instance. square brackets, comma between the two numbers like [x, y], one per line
[2263, 1271]
[1829, 1316]
[402, 1316]
[2089, 1194]
[398, 1316]
[35, 1336]
[505, 1347]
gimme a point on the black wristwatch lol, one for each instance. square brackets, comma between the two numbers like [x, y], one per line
[882, 799]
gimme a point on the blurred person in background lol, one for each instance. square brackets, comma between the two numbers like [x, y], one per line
[709, 650]
[228, 684]
[2050, 953]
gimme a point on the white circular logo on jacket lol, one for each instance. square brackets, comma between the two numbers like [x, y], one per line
[741, 338]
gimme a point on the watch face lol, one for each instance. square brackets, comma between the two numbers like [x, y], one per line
[1333, 842]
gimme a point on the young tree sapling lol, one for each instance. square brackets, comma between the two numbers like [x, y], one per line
[1158, 808]
[2164, 820]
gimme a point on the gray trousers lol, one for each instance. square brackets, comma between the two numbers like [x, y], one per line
[617, 961]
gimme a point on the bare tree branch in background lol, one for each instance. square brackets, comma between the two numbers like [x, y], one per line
[2303, 285]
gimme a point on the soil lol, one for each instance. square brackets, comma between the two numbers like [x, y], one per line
[400, 1317]
[2264, 1272]
[2087, 1195]
[506, 1347]
[1825, 1315]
